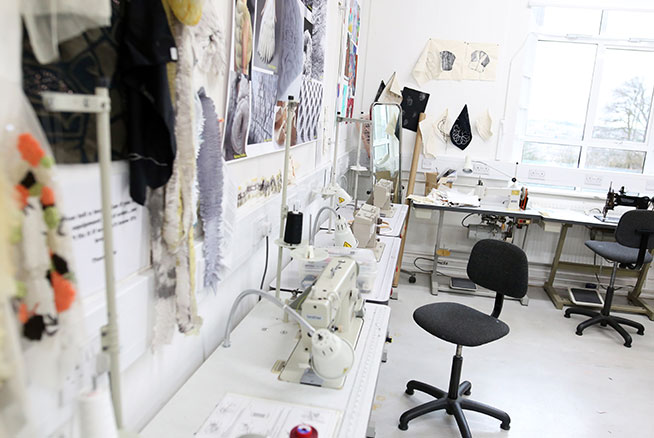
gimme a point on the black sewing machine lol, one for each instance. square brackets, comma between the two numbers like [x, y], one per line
[614, 199]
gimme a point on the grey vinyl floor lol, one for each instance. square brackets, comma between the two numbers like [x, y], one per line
[550, 381]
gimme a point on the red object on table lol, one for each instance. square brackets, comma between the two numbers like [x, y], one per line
[304, 431]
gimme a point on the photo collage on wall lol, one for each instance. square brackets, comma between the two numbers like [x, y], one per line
[278, 50]
[347, 85]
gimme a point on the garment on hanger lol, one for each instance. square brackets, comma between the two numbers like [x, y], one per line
[147, 50]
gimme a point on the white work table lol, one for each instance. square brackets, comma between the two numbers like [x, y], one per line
[261, 339]
[381, 292]
[395, 224]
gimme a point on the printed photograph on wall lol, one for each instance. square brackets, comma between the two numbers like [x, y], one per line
[281, 119]
[277, 51]
[264, 96]
[238, 116]
[243, 35]
[268, 34]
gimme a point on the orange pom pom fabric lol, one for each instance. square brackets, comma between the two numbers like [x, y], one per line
[64, 291]
[30, 149]
[47, 196]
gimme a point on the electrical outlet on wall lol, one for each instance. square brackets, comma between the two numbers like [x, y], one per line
[428, 164]
[593, 180]
[649, 185]
[536, 174]
[480, 169]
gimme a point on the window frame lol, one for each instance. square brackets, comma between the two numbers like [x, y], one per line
[602, 44]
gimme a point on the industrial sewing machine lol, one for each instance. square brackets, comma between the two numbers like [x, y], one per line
[334, 303]
[365, 228]
[614, 199]
[382, 193]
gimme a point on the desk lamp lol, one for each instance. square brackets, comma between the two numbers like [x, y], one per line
[331, 356]
[468, 168]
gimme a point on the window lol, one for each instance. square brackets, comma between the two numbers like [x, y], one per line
[590, 91]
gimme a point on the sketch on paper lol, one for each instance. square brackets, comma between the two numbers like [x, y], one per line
[292, 56]
[481, 61]
[456, 60]
[264, 96]
[308, 113]
[237, 415]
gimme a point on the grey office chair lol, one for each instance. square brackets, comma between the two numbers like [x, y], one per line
[495, 265]
[634, 237]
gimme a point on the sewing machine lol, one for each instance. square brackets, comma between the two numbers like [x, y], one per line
[614, 199]
[364, 227]
[382, 194]
[333, 302]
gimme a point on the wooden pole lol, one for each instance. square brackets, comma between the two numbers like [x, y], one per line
[417, 150]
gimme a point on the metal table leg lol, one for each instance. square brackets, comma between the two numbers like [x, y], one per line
[525, 300]
[434, 274]
[549, 284]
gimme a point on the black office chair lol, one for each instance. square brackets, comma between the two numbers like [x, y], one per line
[634, 237]
[495, 265]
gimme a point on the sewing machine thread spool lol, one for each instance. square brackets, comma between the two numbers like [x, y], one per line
[304, 431]
[96, 415]
[293, 231]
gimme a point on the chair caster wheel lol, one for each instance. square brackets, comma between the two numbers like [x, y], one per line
[628, 345]
[506, 426]
[579, 333]
[412, 279]
[409, 391]
[566, 315]
[468, 392]
[402, 426]
[641, 332]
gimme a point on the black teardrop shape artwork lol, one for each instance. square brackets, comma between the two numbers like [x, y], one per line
[461, 134]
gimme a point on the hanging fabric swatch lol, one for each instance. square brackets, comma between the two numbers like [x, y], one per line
[461, 133]
[211, 182]
[414, 102]
[484, 125]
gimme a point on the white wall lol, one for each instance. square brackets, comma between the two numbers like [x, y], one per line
[397, 33]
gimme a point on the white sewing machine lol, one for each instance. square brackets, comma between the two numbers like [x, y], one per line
[334, 303]
[364, 228]
[382, 193]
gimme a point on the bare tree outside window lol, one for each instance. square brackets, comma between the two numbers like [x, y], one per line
[627, 114]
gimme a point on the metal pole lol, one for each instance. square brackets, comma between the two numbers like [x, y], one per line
[110, 331]
[356, 173]
[291, 105]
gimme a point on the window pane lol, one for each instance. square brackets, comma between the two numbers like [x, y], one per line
[615, 159]
[568, 20]
[625, 95]
[543, 153]
[627, 24]
[559, 90]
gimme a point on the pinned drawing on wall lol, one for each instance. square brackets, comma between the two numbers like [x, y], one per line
[442, 125]
[456, 60]
[484, 125]
[430, 135]
[413, 103]
[308, 112]
[284, 56]
[461, 133]
[481, 61]
[350, 60]
[281, 119]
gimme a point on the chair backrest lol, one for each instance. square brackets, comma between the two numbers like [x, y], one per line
[633, 225]
[499, 266]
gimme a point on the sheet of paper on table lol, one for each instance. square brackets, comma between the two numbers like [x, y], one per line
[238, 415]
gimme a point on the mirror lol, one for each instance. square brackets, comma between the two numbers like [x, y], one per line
[386, 146]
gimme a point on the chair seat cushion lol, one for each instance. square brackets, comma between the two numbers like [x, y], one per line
[459, 324]
[616, 252]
